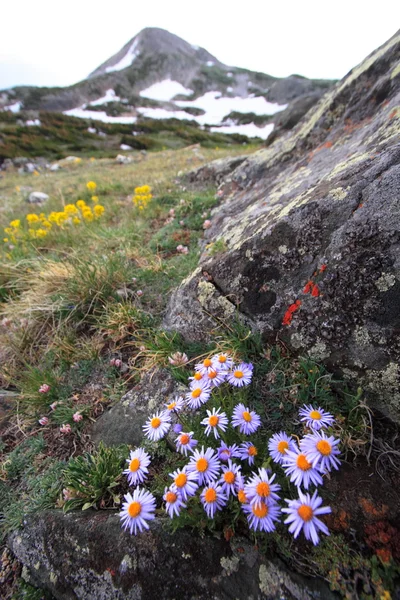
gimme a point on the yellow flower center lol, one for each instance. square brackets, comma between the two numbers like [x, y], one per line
[134, 465]
[305, 512]
[184, 439]
[260, 510]
[282, 447]
[212, 374]
[202, 465]
[246, 416]
[155, 422]
[207, 363]
[181, 480]
[324, 447]
[303, 463]
[171, 497]
[198, 376]
[196, 393]
[229, 477]
[210, 495]
[252, 451]
[134, 509]
[316, 415]
[242, 497]
[263, 489]
[222, 359]
[238, 374]
[213, 421]
[171, 406]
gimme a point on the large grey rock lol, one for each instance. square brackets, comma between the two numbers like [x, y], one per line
[325, 194]
[37, 197]
[86, 556]
[122, 424]
[213, 173]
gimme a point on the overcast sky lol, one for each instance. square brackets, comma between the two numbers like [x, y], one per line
[45, 42]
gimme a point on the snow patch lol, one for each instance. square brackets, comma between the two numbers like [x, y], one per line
[81, 113]
[110, 96]
[165, 91]
[127, 60]
[162, 113]
[210, 63]
[250, 130]
[33, 123]
[14, 108]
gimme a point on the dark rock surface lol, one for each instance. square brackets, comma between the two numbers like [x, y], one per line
[122, 424]
[86, 556]
[324, 195]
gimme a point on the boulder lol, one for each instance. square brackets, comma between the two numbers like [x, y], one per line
[122, 424]
[123, 160]
[86, 556]
[37, 198]
[213, 173]
[315, 219]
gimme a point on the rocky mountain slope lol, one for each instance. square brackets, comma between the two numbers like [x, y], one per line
[308, 236]
[158, 75]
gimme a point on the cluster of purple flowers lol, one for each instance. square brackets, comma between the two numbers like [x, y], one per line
[216, 474]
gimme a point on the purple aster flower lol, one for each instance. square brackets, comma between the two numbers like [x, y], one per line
[321, 451]
[315, 418]
[185, 442]
[300, 469]
[184, 482]
[261, 488]
[222, 361]
[303, 515]
[262, 515]
[200, 392]
[177, 428]
[157, 426]
[175, 405]
[214, 421]
[247, 420]
[215, 377]
[137, 509]
[205, 465]
[226, 452]
[240, 375]
[213, 499]
[278, 445]
[173, 502]
[137, 471]
[229, 479]
[247, 451]
[205, 366]
[241, 494]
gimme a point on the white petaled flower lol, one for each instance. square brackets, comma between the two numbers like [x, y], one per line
[303, 515]
[230, 478]
[214, 421]
[278, 445]
[315, 418]
[215, 377]
[173, 502]
[226, 452]
[213, 499]
[300, 469]
[205, 366]
[240, 375]
[137, 470]
[184, 482]
[261, 488]
[247, 420]
[205, 465]
[223, 361]
[262, 516]
[185, 442]
[157, 426]
[175, 405]
[137, 509]
[200, 392]
[247, 451]
[321, 451]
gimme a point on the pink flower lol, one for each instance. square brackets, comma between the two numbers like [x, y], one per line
[172, 212]
[181, 223]
[44, 421]
[142, 348]
[178, 359]
[134, 279]
[65, 428]
[185, 250]
[207, 224]
[44, 388]
[116, 362]
[139, 293]
[53, 406]
[179, 248]
[77, 417]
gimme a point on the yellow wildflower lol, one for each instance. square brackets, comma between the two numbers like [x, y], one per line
[5, 240]
[77, 161]
[46, 224]
[17, 188]
[98, 210]
[92, 159]
[70, 209]
[80, 204]
[95, 199]
[41, 233]
[16, 223]
[32, 233]
[36, 173]
[76, 221]
[8, 230]
[91, 186]
[87, 214]
[32, 218]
